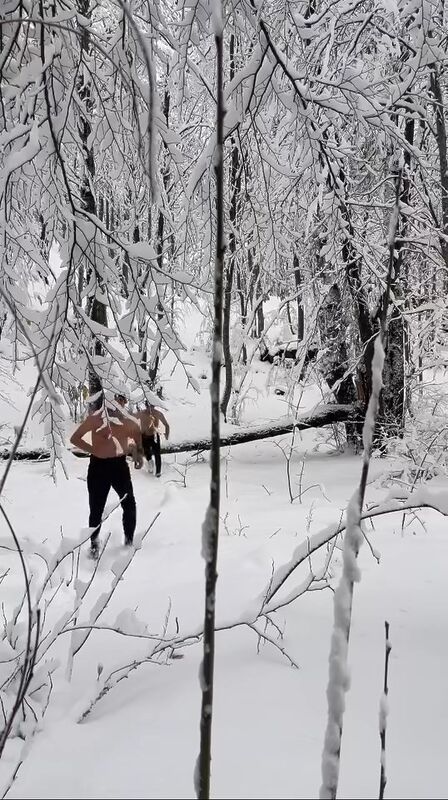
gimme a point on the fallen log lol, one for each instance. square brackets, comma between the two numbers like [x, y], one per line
[36, 454]
[321, 416]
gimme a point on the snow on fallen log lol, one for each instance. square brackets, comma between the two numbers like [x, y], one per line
[35, 454]
[320, 416]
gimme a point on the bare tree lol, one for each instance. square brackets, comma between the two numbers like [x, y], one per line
[210, 531]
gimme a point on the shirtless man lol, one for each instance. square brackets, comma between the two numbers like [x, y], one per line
[150, 421]
[110, 431]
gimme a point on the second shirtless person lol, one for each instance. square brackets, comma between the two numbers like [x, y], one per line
[150, 420]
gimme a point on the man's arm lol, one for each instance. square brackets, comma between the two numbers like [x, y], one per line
[142, 420]
[77, 439]
[167, 427]
[136, 435]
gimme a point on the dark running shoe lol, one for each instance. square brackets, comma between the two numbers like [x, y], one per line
[128, 542]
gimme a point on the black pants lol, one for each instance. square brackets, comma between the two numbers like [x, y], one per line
[151, 447]
[104, 473]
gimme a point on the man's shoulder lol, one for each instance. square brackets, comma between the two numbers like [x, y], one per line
[93, 420]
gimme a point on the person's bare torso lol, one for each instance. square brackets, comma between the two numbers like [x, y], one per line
[149, 422]
[111, 439]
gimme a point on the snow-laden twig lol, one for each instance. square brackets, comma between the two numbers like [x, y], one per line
[262, 635]
[259, 610]
[394, 502]
[47, 688]
[145, 44]
[26, 668]
[34, 681]
[33, 614]
[267, 602]
[113, 680]
[66, 549]
[119, 567]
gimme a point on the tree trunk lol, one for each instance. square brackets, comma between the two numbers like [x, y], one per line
[442, 148]
[300, 311]
[256, 298]
[155, 357]
[97, 310]
[226, 351]
[391, 420]
[365, 323]
[391, 416]
[155, 360]
[235, 188]
[210, 529]
[243, 304]
[335, 363]
[260, 319]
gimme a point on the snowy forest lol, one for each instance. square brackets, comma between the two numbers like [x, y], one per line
[235, 213]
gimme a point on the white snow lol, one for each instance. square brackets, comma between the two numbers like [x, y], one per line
[142, 738]
[384, 711]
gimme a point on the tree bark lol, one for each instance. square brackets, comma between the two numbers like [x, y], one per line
[366, 328]
[391, 417]
[155, 360]
[97, 310]
[210, 529]
[442, 148]
[334, 365]
[300, 312]
[256, 298]
[235, 188]
[244, 303]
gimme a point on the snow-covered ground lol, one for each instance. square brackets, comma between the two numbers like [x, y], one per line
[141, 740]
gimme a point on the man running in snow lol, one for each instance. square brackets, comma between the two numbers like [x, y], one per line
[150, 421]
[110, 432]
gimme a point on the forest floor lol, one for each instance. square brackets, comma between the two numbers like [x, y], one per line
[141, 740]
